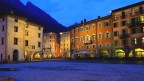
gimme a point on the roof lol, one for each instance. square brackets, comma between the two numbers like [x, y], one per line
[129, 6]
[91, 21]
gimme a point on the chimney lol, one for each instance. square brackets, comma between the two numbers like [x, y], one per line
[99, 17]
[84, 20]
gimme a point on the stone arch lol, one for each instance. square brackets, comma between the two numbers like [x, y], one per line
[104, 53]
[36, 56]
[119, 53]
[139, 52]
[15, 55]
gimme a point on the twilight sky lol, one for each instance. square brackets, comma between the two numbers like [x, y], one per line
[68, 12]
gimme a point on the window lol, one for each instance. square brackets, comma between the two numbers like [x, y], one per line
[2, 41]
[77, 40]
[93, 46]
[87, 28]
[72, 40]
[100, 36]
[106, 23]
[77, 30]
[100, 25]
[39, 28]
[26, 42]
[135, 40]
[133, 31]
[82, 38]
[107, 35]
[93, 37]
[33, 47]
[123, 23]
[142, 19]
[16, 19]
[15, 29]
[115, 33]
[115, 18]
[3, 19]
[27, 26]
[93, 26]
[133, 11]
[87, 38]
[26, 32]
[3, 28]
[143, 40]
[115, 25]
[123, 15]
[15, 41]
[124, 42]
[116, 42]
[39, 35]
[39, 44]
[87, 47]
[100, 45]
[140, 9]
[107, 45]
[81, 29]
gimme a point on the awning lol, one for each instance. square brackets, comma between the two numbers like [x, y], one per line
[84, 52]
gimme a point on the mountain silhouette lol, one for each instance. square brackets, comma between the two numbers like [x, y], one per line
[32, 13]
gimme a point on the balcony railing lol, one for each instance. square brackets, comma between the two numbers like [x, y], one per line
[135, 24]
[88, 42]
[122, 36]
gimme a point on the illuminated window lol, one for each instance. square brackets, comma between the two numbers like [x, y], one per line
[135, 40]
[143, 40]
[115, 18]
[142, 19]
[133, 11]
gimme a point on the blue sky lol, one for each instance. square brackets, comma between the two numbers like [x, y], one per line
[68, 12]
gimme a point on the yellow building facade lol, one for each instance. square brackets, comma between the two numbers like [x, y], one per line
[20, 39]
[65, 44]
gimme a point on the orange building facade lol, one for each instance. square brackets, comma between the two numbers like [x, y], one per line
[92, 39]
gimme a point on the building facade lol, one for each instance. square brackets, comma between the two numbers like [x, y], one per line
[83, 39]
[128, 29]
[104, 36]
[16, 38]
[51, 45]
[65, 44]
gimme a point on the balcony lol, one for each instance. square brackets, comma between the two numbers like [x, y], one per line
[88, 42]
[137, 12]
[135, 24]
[122, 36]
